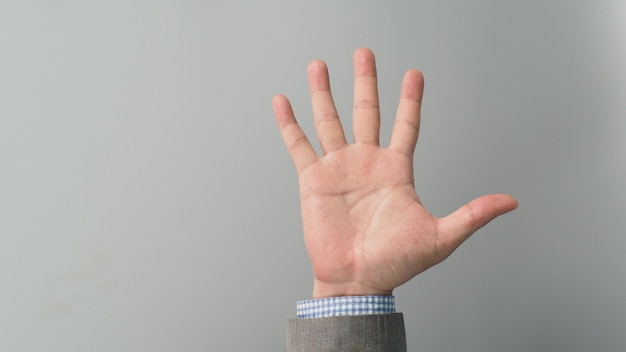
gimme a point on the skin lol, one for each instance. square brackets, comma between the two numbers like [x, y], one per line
[365, 228]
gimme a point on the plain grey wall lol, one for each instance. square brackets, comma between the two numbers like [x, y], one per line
[147, 202]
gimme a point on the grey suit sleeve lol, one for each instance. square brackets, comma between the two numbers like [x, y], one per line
[363, 333]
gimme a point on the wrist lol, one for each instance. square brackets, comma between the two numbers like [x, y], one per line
[325, 290]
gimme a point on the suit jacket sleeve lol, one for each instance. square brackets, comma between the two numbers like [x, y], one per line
[363, 333]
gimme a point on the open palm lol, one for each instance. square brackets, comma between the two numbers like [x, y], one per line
[365, 228]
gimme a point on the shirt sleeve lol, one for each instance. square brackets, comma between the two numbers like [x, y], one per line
[345, 305]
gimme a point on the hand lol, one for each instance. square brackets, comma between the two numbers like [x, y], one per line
[365, 229]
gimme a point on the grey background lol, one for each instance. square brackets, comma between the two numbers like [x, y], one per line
[147, 202]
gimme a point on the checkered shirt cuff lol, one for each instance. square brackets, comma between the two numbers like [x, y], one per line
[346, 305]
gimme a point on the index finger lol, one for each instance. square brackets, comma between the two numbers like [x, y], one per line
[407, 124]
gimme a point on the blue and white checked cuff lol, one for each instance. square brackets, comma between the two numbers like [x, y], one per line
[346, 305]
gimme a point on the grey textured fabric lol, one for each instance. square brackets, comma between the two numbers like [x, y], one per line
[363, 333]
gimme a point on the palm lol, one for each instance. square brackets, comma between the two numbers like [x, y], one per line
[365, 229]
[363, 222]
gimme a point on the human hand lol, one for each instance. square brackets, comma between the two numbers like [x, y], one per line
[365, 229]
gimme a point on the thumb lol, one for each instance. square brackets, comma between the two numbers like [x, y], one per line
[461, 224]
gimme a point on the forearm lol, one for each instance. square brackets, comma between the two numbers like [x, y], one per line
[353, 323]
